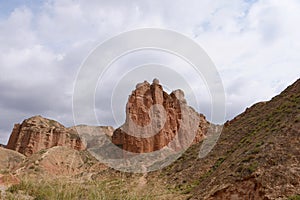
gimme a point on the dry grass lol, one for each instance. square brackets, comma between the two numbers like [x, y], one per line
[67, 190]
[129, 188]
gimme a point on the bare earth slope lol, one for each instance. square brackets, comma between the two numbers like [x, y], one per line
[9, 159]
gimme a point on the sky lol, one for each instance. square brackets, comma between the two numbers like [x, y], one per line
[254, 45]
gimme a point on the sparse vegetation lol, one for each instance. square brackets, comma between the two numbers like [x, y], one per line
[4, 171]
[254, 151]
[253, 166]
[259, 144]
[52, 122]
[218, 163]
[42, 151]
[74, 136]
[48, 190]
[295, 197]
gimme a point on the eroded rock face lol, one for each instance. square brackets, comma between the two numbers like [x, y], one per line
[154, 118]
[37, 133]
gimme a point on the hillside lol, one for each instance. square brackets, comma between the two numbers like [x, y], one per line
[9, 159]
[256, 157]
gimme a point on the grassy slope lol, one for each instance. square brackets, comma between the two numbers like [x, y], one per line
[257, 155]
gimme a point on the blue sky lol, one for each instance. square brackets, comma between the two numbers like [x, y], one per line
[254, 45]
[7, 7]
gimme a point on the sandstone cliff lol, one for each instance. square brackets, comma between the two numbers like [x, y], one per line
[37, 133]
[154, 118]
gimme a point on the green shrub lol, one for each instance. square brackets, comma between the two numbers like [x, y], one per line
[253, 166]
[218, 163]
[295, 197]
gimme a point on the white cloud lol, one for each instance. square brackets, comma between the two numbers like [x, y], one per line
[15, 31]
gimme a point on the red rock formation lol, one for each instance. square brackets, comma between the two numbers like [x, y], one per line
[154, 118]
[37, 133]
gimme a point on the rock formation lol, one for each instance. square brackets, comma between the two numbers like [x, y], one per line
[94, 136]
[154, 118]
[37, 133]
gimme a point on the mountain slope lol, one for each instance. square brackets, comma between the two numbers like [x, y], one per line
[9, 159]
[256, 157]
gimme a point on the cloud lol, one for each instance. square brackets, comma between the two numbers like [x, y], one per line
[16, 30]
[254, 45]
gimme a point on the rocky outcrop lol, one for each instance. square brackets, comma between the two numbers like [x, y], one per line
[37, 133]
[94, 136]
[154, 118]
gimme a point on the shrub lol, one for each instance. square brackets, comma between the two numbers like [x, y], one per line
[295, 197]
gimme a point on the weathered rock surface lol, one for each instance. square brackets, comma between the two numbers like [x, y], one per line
[37, 133]
[154, 118]
[94, 136]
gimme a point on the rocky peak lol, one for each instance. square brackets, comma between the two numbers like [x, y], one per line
[153, 120]
[41, 122]
[37, 133]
